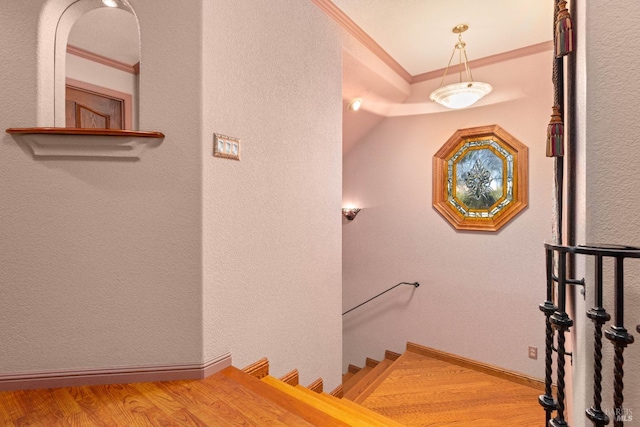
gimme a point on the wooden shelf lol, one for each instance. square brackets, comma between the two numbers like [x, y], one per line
[75, 142]
[80, 131]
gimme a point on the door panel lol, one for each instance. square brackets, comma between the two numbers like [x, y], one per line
[91, 110]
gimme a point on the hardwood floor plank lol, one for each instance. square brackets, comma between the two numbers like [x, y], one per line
[201, 404]
[99, 415]
[168, 405]
[130, 403]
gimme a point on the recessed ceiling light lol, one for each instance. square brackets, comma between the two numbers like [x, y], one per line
[355, 104]
[110, 3]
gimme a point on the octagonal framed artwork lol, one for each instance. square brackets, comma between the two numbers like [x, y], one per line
[480, 178]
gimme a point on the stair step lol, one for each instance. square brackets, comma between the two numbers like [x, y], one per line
[391, 355]
[316, 386]
[258, 369]
[353, 369]
[303, 411]
[354, 379]
[312, 399]
[372, 363]
[386, 367]
[228, 398]
[291, 378]
[338, 391]
[346, 376]
[364, 412]
[368, 383]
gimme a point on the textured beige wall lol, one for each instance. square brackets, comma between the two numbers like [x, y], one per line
[272, 236]
[110, 264]
[480, 291]
[101, 259]
[607, 187]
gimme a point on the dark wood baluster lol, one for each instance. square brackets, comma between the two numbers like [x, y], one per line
[548, 308]
[599, 316]
[620, 338]
[561, 321]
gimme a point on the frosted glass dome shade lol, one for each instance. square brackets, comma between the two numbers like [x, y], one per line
[460, 95]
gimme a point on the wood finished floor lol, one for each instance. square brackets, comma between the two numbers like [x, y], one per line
[421, 391]
[418, 392]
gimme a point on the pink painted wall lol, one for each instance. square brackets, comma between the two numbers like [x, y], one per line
[271, 229]
[100, 265]
[179, 257]
[608, 203]
[480, 291]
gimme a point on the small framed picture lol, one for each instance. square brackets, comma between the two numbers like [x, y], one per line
[226, 147]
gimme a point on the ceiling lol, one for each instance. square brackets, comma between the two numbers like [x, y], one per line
[417, 33]
[109, 32]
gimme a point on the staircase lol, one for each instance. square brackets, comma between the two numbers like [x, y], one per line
[422, 386]
[311, 404]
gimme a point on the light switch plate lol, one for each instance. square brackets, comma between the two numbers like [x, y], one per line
[226, 147]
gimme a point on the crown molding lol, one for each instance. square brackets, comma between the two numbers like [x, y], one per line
[352, 28]
[487, 60]
[82, 53]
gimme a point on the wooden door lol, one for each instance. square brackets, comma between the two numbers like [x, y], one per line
[92, 110]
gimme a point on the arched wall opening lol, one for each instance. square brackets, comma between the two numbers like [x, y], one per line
[56, 19]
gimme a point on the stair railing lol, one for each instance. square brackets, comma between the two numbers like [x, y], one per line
[414, 284]
[558, 323]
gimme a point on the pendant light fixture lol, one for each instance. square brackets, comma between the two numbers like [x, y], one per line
[466, 92]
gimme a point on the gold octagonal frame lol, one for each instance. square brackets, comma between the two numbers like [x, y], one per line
[480, 178]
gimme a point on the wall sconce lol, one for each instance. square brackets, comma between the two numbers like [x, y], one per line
[355, 104]
[350, 213]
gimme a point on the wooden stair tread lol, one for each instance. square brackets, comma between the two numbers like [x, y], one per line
[313, 399]
[355, 378]
[302, 410]
[346, 376]
[359, 391]
[360, 411]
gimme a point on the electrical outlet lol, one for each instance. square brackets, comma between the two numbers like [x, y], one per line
[533, 353]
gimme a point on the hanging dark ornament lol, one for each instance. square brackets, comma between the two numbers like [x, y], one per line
[555, 134]
[564, 31]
